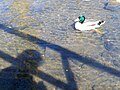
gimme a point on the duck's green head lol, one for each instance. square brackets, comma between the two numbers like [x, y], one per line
[81, 19]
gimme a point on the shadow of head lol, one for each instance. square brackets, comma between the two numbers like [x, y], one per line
[21, 76]
[29, 60]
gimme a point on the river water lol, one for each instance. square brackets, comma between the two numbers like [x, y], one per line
[54, 19]
[58, 16]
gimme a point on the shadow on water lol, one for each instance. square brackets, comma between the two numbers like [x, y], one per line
[19, 76]
[65, 54]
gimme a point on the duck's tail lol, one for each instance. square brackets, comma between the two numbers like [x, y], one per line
[101, 22]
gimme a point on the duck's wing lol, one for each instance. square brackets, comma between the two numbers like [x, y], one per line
[91, 23]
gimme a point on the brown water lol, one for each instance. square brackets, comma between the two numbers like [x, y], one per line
[72, 59]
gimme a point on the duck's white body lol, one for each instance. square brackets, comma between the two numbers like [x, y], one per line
[87, 25]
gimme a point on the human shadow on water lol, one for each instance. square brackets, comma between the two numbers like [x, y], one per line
[69, 75]
[19, 76]
[65, 55]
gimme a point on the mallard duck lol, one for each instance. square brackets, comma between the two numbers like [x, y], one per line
[86, 25]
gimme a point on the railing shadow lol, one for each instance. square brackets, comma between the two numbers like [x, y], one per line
[25, 65]
[44, 44]
[22, 67]
[19, 76]
[65, 54]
